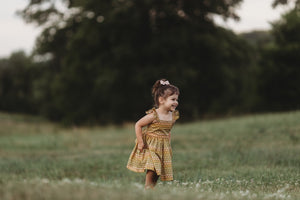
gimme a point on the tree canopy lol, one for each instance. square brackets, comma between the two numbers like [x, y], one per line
[107, 54]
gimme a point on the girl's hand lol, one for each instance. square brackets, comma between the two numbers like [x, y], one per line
[141, 146]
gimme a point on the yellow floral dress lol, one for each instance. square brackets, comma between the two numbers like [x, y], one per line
[157, 154]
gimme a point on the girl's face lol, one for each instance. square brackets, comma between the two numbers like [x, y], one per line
[170, 103]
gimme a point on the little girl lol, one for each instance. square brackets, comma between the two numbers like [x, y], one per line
[152, 151]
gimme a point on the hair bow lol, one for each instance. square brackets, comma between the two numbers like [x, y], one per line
[164, 82]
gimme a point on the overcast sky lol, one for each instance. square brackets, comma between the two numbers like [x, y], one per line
[16, 35]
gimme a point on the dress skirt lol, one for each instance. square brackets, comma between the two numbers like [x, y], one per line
[156, 156]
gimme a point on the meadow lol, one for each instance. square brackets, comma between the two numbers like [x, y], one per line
[247, 157]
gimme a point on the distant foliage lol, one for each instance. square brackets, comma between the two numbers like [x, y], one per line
[281, 65]
[95, 61]
[17, 74]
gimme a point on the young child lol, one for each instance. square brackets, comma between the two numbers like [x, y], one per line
[152, 151]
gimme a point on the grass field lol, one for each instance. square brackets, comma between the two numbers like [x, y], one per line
[251, 157]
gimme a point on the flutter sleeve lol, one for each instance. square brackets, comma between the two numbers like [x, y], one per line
[152, 110]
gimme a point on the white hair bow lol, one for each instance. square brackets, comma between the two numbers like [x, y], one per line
[164, 82]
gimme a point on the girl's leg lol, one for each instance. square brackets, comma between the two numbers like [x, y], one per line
[151, 179]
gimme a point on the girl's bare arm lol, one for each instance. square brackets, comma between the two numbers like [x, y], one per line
[147, 119]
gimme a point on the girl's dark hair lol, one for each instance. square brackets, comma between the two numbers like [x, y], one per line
[162, 88]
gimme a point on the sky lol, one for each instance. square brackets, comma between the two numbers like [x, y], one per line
[16, 35]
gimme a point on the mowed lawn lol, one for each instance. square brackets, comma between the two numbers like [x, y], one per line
[249, 157]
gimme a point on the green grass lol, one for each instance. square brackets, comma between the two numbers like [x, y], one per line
[250, 157]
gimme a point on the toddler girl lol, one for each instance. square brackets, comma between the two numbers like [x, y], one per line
[152, 151]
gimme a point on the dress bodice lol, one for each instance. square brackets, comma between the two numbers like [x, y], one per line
[161, 127]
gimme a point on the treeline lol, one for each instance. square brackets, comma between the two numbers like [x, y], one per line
[98, 61]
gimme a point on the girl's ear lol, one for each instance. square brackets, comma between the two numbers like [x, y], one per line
[161, 100]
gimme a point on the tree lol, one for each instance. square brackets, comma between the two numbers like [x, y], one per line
[280, 73]
[16, 78]
[107, 54]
